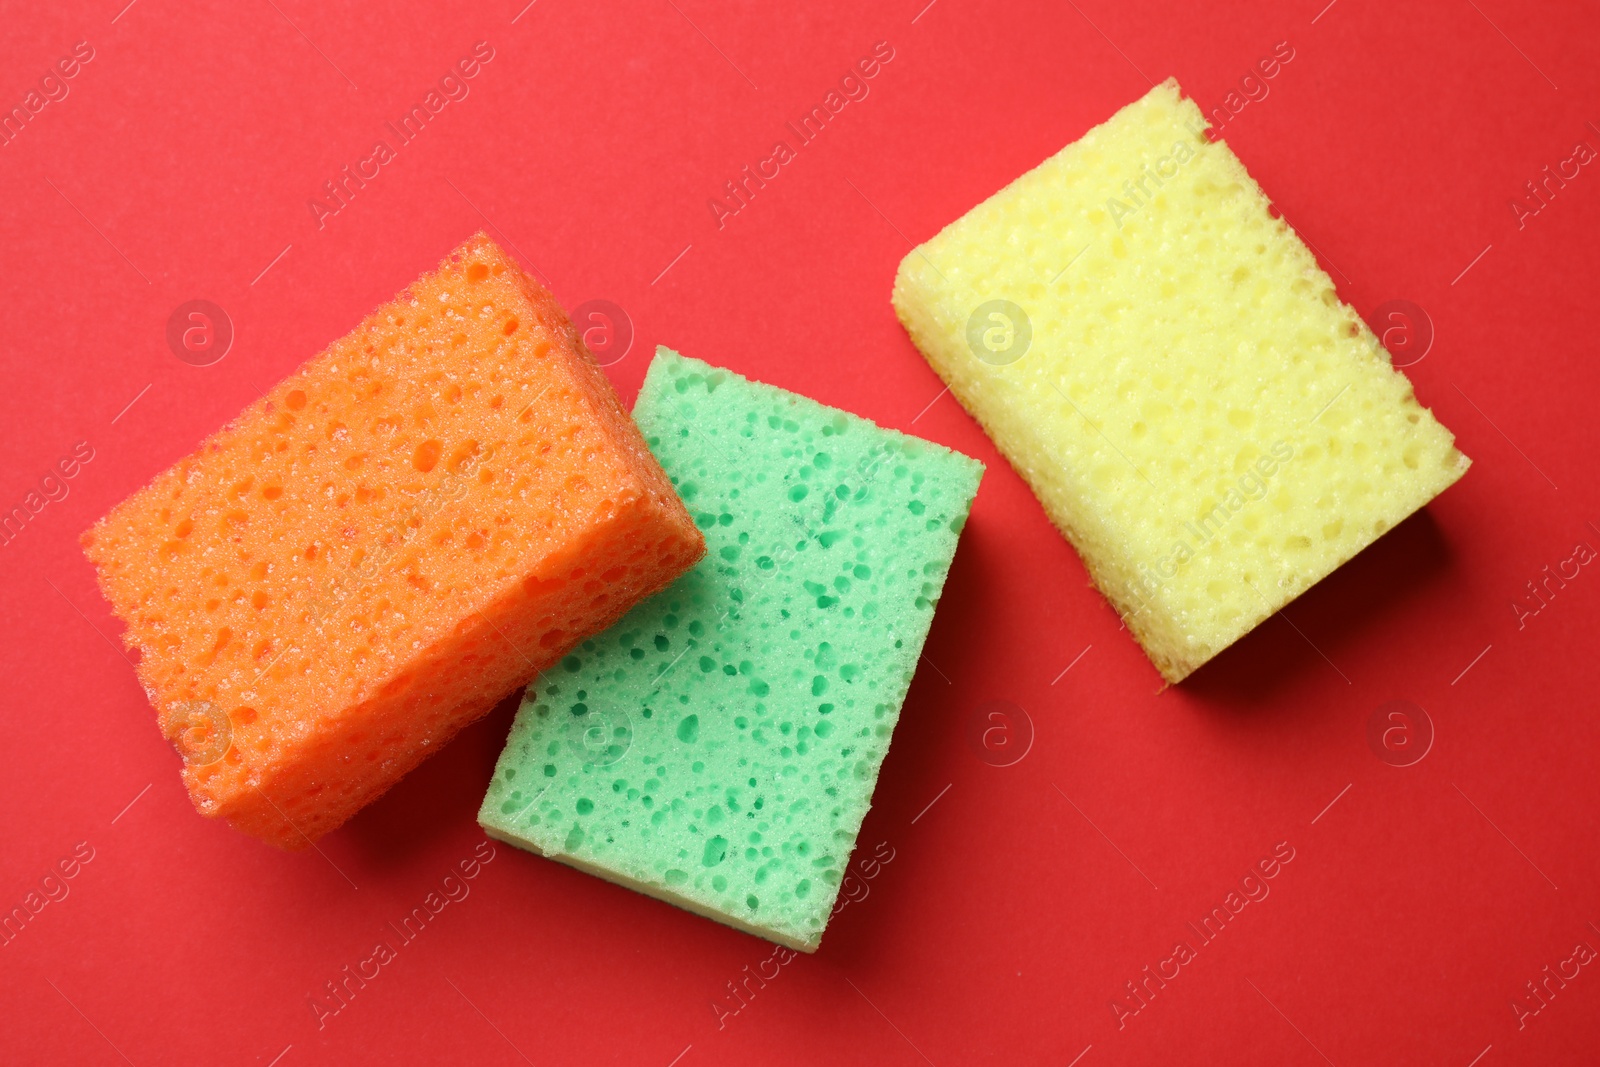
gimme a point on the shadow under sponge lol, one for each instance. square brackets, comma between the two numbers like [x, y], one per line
[718, 747]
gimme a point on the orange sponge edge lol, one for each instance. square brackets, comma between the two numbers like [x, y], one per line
[414, 523]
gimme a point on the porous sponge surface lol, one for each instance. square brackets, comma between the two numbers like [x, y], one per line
[401, 532]
[718, 747]
[1199, 414]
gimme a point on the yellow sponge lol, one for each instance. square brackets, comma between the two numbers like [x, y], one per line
[1166, 365]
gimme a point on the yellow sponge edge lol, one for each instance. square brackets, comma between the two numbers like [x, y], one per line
[1170, 370]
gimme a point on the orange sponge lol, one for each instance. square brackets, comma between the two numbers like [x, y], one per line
[410, 526]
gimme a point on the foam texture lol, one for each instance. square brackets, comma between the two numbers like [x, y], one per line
[718, 747]
[407, 528]
[1164, 362]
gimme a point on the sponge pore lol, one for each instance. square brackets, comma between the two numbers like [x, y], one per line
[401, 532]
[718, 747]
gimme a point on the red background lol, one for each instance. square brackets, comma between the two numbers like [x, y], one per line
[1416, 906]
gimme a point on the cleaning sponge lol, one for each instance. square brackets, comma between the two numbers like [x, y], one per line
[1163, 361]
[718, 747]
[405, 529]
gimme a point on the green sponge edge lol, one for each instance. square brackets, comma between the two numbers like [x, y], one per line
[771, 674]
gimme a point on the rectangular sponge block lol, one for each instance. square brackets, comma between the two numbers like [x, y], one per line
[411, 525]
[718, 747]
[1165, 364]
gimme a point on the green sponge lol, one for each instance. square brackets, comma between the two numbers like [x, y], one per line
[718, 747]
